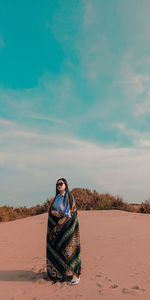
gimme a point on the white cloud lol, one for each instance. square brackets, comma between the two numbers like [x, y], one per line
[37, 160]
[143, 107]
[140, 139]
[58, 101]
[144, 143]
[121, 126]
[6, 122]
[133, 80]
[133, 83]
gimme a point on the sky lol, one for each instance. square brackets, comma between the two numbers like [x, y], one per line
[74, 98]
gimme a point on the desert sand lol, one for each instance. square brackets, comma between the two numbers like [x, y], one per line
[115, 253]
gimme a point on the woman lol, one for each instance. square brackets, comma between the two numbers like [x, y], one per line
[63, 236]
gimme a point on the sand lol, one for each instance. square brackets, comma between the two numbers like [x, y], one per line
[115, 254]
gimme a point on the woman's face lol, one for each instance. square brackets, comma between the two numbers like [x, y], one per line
[61, 186]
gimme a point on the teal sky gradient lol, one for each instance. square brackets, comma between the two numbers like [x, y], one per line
[74, 98]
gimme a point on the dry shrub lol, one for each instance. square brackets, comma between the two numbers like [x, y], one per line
[134, 207]
[145, 207]
[7, 213]
[85, 200]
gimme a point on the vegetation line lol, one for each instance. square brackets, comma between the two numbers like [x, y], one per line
[85, 200]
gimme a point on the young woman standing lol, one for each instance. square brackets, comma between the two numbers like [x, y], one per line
[63, 251]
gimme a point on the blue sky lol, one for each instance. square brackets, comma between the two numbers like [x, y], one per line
[74, 98]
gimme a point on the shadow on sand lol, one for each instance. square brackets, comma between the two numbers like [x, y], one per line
[26, 275]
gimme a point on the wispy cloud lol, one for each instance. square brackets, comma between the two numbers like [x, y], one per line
[140, 139]
[132, 82]
[44, 118]
[94, 47]
[42, 158]
[143, 108]
[6, 122]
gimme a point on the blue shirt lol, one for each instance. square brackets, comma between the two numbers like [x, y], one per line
[61, 204]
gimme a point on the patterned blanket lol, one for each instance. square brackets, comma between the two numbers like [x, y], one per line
[63, 251]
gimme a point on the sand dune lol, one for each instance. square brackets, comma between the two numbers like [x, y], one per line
[115, 253]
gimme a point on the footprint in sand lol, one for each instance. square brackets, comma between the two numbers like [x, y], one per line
[100, 292]
[107, 279]
[104, 284]
[114, 286]
[133, 291]
[136, 287]
[98, 275]
[128, 291]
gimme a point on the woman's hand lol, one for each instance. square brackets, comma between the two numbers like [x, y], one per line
[57, 213]
[54, 212]
[62, 220]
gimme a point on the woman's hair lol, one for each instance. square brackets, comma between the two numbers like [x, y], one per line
[66, 184]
